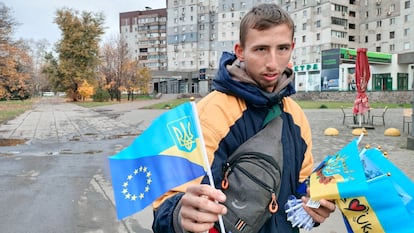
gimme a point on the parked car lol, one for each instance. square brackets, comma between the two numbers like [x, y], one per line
[48, 93]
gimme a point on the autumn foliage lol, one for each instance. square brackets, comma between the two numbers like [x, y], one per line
[15, 63]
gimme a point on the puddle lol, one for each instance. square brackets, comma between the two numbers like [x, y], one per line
[12, 142]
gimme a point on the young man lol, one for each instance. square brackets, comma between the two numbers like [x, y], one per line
[248, 85]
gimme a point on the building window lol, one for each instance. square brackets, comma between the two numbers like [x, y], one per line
[303, 39]
[378, 11]
[338, 34]
[304, 26]
[318, 23]
[402, 81]
[406, 46]
[392, 21]
[378, 49]
[379, 24]
[378, 36]
[366, 39]
[318, 36]
[406, 4]
[392, 35]
[406, 31]
[392, 47]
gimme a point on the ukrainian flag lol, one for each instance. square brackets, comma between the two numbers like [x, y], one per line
[387, 205]
[167, 154]
[339, 176]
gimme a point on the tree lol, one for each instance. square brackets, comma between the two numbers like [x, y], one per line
[50, 70]
[15, 63]
[144, 80]
[115, 66]
[85, 90]
[37, 50]
[78, 49]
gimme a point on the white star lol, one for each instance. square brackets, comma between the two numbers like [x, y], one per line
[134, 197]
[141, 196]
[145, 169]
[130, 177]
[128, 196]
[124, 191]
[147, 188]
[135, 171]
[125, 184]
[149, 181]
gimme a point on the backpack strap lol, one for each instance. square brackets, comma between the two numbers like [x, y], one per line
[267, 141]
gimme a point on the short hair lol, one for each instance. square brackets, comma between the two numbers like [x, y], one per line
[262, 17]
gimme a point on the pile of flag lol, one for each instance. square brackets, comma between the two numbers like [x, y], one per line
[372, 193]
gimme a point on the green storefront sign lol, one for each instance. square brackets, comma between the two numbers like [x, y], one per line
[350, 54]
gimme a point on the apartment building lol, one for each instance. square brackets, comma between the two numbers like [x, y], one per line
[145, 34]
[198, 31]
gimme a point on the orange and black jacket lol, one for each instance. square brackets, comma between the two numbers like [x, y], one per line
[230, 115]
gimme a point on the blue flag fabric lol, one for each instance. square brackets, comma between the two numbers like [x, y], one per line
[167, 154]
[387, 205]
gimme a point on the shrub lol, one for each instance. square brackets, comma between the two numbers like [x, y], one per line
[101, 95]
[323, 106]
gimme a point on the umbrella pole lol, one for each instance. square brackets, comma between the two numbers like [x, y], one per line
[360, 120]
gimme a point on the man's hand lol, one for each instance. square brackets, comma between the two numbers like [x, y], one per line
[200, 207]
[319, 215]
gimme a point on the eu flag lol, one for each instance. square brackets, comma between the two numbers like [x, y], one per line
[167, 154]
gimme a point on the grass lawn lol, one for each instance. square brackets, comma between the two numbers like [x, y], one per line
[11, 108]
[91, 103]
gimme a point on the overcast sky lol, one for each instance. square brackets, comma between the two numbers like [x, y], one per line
[36, 16]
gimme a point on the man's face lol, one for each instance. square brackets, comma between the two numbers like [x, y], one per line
[266, 54]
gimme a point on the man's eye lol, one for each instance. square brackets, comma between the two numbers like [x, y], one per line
[261, 49]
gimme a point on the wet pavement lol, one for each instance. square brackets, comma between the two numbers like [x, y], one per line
[58, 179]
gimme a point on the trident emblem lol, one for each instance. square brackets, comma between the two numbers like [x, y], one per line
[184, 136]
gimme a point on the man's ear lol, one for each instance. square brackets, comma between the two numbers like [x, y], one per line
[239, 51]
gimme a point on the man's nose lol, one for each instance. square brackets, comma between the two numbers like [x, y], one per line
[271, 60]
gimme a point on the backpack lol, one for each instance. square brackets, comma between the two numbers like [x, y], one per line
[252, 178]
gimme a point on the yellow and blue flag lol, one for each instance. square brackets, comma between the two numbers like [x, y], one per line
[339, 176]
[387, 205]
[167, 154]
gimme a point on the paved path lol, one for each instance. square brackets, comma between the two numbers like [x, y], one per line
[59, 180]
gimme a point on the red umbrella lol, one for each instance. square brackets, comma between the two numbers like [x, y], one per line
[362, 75]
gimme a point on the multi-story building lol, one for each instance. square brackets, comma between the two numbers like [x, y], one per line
[145, 34]
[198, 31]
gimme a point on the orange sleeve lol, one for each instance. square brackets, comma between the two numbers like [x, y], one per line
[300, 119]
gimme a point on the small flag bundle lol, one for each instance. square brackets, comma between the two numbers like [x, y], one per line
[372, 193]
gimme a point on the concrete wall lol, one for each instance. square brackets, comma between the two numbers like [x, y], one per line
[347, 96]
